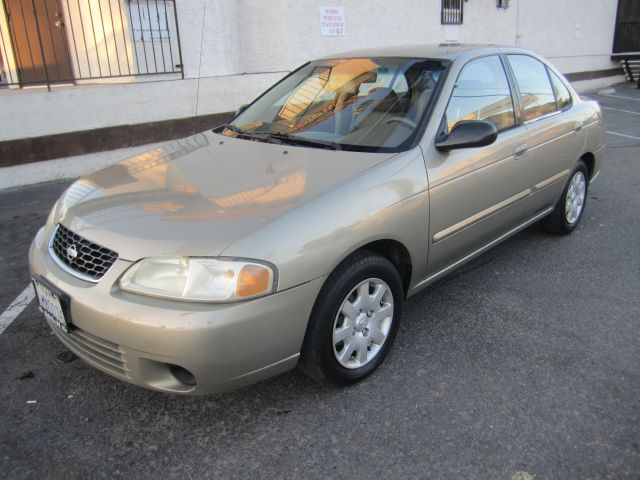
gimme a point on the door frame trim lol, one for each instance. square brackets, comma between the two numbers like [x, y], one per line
[477, 217]
[550, 180]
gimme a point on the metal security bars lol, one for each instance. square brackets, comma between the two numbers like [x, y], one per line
[626, 40]
[627, 37]
[451, 12]
[45, 42]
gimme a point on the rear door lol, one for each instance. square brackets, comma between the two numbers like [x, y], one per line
[554, 124]
[477, 194]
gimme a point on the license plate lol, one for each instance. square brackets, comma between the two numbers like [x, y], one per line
[53, 305]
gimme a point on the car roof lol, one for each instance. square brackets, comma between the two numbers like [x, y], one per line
[442, 51]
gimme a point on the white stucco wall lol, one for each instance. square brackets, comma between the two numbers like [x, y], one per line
[551, 27]
[233, 49]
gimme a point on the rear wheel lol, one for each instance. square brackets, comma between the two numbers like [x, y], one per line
[569, 209]
[354, 320]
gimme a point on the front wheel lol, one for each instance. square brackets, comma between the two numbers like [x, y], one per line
[354, 320]
[569, 209]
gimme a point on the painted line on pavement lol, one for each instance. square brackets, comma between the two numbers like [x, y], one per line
[625, 98]
[622, 135]
[16, 307]
[620, 110]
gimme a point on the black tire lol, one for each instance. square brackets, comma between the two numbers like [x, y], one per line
[557, 222]
[317, 359]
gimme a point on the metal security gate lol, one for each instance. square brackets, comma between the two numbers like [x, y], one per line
[627, 33]
[451, 12]
[626, 40]
[39, 42]
[45, 42]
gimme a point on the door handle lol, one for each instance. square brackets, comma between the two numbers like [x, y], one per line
[578, 126]
[520, 151]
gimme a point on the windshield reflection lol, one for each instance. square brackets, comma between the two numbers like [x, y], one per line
[359, 103]
[151, 183]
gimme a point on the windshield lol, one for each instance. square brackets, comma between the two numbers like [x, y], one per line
[372, 104]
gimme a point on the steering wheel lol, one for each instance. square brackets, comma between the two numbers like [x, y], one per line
[403, 120]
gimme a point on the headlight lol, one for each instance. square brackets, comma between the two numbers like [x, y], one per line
[199, 279]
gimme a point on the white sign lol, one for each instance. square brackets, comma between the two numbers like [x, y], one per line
[451, 34]
[332, 22]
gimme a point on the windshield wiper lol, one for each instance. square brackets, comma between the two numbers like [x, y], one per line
[266, 137]
[281, 138]
[285, 137]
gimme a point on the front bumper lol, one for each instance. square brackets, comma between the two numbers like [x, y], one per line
[142, 339]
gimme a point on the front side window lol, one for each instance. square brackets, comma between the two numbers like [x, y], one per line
[563, 97]
[481, 93]
[370, 104]
[535, 90]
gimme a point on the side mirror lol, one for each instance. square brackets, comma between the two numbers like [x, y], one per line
[468, 134]
[241, 109]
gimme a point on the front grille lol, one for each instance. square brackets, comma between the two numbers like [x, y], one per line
[88, 260]
[96, 351]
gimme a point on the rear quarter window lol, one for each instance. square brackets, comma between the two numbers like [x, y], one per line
[563, 97]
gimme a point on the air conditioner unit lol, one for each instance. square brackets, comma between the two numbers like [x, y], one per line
[502, 3]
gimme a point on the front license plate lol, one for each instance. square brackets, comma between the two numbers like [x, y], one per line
[52, 304]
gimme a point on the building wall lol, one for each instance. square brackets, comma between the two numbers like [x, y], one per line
[233, 49]
[576, 35]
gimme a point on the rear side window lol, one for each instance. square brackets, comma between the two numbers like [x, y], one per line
[481, 93]
[563, 97]
[535, 89]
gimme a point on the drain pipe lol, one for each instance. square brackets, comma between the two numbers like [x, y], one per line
[518, 23]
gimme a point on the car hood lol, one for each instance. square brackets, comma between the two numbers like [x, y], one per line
[197, 195]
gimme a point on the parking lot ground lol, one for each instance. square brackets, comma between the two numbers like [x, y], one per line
[524, 364]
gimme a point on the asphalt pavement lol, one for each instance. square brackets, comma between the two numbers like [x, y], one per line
[524, 364]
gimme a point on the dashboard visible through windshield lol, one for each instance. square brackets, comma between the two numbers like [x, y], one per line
[370, 104]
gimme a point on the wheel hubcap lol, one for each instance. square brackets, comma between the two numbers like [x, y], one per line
[363, 323]
[574, 202]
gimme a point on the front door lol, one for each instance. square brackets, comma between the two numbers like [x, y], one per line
[39, 41]
[478, 194]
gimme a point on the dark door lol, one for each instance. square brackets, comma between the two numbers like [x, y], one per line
[39, 41]
[627, 35]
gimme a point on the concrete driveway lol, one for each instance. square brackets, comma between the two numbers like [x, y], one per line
[525, 364]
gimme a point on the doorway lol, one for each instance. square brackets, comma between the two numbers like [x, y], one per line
[39, 41]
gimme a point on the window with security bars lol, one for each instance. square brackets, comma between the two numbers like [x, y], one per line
[451, 13]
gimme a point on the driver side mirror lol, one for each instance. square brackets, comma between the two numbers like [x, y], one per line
[241, 109]
[468, 134]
